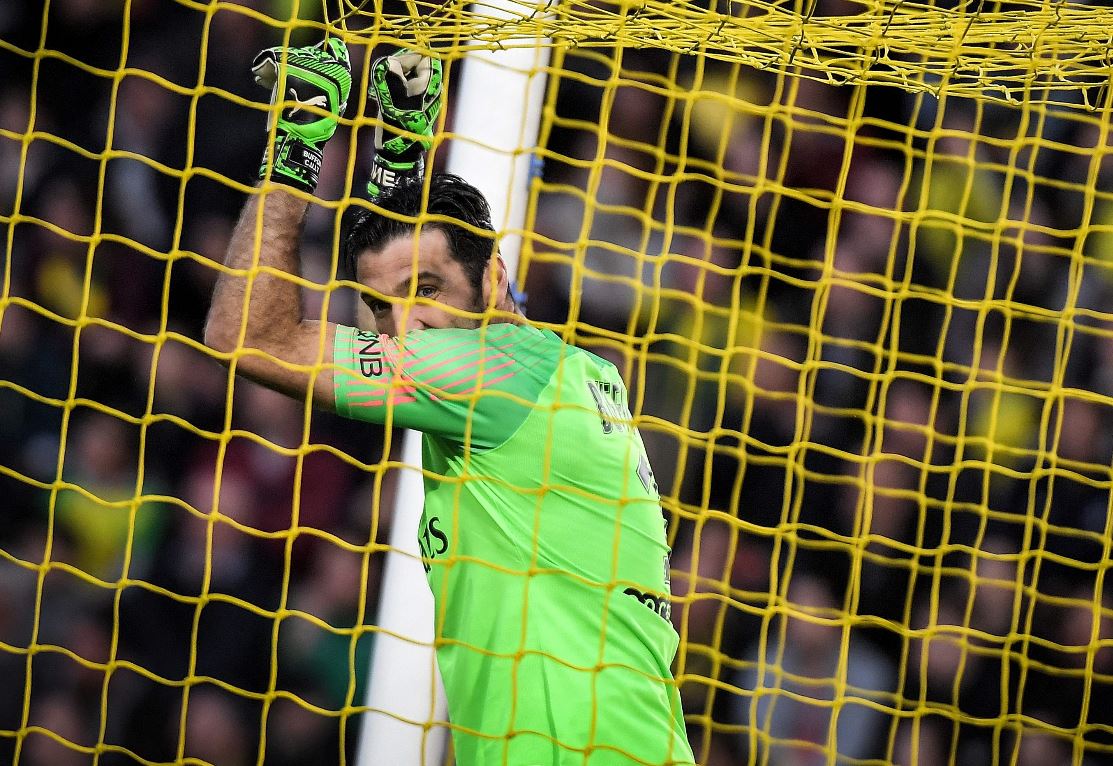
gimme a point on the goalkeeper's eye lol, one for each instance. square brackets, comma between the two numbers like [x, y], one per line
[425, 291]
[378, 308]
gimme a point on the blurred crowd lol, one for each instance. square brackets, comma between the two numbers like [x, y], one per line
[865, 333]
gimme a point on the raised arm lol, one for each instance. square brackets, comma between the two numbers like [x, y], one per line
[276, 330]
[279, 345]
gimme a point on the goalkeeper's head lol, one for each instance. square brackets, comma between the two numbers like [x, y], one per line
[447, 262]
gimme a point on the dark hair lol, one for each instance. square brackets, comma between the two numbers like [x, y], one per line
[449, 196]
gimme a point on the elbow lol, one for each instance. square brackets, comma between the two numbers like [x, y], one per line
[219, 336]
[223, 337]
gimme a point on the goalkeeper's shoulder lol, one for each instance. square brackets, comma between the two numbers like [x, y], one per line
[506, 355]
[519, 339]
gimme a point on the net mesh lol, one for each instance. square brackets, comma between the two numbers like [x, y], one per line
[989, 50]
[851, 259]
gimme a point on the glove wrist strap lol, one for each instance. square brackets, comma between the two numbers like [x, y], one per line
[387, 173]
[296, 163]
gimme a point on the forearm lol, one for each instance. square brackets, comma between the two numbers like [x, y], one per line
[267, 236]
[266, 307]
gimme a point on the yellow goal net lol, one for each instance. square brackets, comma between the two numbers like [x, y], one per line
[852, 260]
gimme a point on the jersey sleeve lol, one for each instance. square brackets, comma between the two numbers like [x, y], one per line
[472, 386]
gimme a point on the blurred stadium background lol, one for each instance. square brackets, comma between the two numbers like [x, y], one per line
[867, 330]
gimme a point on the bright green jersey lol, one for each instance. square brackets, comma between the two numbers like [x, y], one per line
[543, 541]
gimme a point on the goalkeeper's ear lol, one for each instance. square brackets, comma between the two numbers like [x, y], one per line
[496, 293]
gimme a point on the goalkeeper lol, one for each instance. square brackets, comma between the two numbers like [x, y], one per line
[542, 536]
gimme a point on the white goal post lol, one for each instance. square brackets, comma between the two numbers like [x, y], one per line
[497, 101]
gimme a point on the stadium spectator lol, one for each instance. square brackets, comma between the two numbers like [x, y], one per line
[833, 683]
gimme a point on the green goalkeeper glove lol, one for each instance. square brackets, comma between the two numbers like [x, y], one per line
[407, 87]
[315, 76]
